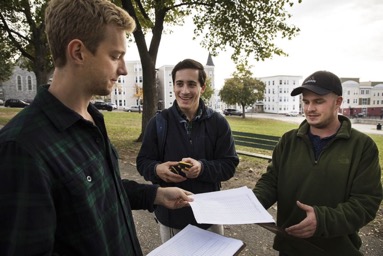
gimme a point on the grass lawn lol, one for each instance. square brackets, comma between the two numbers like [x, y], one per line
[125, 127]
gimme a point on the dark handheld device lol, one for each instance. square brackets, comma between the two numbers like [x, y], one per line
[180, 168]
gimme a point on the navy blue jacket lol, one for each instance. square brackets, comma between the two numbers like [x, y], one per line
[210, 142]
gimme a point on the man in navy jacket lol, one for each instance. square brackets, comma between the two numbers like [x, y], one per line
[194, 134]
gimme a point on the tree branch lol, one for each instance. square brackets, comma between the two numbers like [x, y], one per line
[142, 10]
[14, 41]
[193, 3]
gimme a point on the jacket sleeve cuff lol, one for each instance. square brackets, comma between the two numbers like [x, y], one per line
[156, 179]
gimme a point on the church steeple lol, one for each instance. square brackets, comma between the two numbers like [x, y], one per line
[209, 61]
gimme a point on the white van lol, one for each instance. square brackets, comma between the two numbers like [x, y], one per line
[135, 108]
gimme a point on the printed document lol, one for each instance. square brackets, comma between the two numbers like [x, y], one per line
[194, 241]
[232, 206]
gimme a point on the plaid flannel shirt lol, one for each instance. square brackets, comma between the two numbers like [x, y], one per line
[60, 187]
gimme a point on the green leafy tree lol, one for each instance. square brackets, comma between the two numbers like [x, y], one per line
[242, 89]
[248, 26]
[6, 63]
[209, 91]
[22, 25]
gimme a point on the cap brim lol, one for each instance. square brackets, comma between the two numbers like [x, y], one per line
[315, 89]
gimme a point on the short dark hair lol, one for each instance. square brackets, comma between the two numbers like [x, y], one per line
[190, 64]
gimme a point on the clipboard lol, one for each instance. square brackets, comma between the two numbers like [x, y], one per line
[281, 232]
[240, 249]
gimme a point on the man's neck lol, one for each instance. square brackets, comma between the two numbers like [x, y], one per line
[68, 92]
[327, 131]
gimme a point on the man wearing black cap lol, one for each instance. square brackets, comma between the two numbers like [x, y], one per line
[324, 176]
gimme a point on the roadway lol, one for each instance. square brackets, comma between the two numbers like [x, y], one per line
[366, 128]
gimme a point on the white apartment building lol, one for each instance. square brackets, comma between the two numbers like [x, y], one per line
[125, 91]
[123, 95]
[359, 99]
[165, 84]
[362, 99]
[166, 96]
[277, 98]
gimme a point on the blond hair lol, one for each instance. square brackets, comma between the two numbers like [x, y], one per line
[85, 20]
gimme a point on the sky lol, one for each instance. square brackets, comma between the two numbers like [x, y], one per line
[341, 36]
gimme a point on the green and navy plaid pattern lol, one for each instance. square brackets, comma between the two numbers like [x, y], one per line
[60, 187]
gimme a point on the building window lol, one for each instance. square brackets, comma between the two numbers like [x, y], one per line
[19, 83]
[29, 83]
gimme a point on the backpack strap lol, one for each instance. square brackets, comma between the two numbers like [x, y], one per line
[161, 124]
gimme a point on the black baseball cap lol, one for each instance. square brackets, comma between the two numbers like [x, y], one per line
[320, 82]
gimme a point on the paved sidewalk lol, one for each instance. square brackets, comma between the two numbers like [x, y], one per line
[366, 128]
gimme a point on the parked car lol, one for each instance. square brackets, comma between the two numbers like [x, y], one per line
[292, 113]
[15, 103]
[103, 105]
[232, 112]
[113, 105]
[219, 111]
[361, 114]
[135, 108]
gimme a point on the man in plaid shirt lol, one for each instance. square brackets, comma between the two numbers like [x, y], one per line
[60, 188]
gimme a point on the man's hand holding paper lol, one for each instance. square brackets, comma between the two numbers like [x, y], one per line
[233, 206]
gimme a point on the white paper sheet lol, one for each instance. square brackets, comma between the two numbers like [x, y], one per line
[194, 241]
[233, 206]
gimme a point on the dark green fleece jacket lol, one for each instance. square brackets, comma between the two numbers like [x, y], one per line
[343, 185]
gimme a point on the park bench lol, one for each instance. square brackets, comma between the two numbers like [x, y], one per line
[255, 141]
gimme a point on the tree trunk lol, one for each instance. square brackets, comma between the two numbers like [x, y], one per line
[41, 71]
[150, 91]
[148, 59]
[42, 66]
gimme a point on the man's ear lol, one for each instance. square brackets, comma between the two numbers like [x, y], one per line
[203, 88]
[76, 51]
[339, 100]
